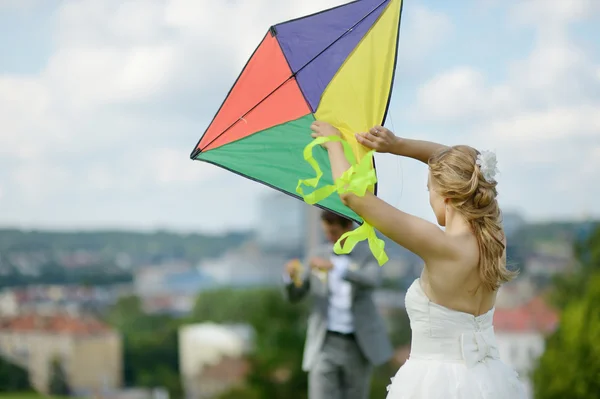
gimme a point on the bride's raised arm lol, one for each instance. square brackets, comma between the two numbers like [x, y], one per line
[417, 235]
[383, 140]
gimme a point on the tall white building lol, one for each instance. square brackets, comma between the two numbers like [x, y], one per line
[282, 222]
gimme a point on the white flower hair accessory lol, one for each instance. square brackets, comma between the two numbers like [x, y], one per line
[486, 160]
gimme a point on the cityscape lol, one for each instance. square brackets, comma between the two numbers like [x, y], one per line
[71, 319]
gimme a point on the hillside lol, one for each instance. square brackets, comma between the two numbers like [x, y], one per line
[111, 244]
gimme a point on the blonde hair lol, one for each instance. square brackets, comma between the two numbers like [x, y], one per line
[457, 177]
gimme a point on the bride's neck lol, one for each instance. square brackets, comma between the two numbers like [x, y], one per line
[456, 224]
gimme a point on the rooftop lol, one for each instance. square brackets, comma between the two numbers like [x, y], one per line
[534, 316]
[54, 324]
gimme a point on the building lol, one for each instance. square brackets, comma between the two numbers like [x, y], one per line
[213, 358]
[247, 266]
[170, 288]
[512, 222]
[516, 293]
[282, 222]
[546, 265]
[9, 303]
[154, 280]
[89, 351]
[49, 299]
[521, 333]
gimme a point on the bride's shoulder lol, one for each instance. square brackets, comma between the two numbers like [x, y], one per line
[465, 249]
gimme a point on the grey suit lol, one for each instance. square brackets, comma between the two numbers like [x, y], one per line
[330, 358]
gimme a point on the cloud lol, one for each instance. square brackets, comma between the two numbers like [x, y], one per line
[543, 114]
[422, 30]
[554, 74]
[453, 95]
[18, 4]
[531, 127]
[552, 13]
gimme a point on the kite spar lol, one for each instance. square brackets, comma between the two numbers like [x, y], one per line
[336, 66]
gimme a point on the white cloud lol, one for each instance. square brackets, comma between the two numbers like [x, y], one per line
[22, 5]
[554, 80]
[453, 95]
[544, 114]
[24, 104]
[35, 181]
[90, 77]
[170, 166]
[531, 127]
[555, 74]
[422, 30]
[553, 13]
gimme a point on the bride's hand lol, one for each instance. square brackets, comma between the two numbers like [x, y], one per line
[379, 139]
[324, 129]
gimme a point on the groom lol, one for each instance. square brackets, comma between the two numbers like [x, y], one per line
[346, 335]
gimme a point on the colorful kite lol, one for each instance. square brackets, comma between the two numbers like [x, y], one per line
[336, 66]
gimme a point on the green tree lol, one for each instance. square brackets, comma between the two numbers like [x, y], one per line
[59, 386]
[150, 346]
[587, 262]
[242, 393]
[570, 365]
[13, 378]
[280, 332]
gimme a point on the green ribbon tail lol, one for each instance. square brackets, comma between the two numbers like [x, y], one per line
[364, 232]
[357, 180]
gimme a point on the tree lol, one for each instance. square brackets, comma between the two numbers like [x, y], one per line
[151, 356]
[280, 332]
[59, 385]
[13, 378]
[242, 393]
[572, 285]
[570, 365]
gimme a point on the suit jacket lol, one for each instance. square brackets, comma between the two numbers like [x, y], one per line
[364, 274]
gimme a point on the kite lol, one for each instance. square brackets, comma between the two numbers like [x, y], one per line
[337, 66]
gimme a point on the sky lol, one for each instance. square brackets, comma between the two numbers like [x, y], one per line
[102, 101]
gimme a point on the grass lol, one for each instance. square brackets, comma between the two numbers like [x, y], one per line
[25, 395]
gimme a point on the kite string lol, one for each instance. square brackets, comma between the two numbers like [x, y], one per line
[399, 169]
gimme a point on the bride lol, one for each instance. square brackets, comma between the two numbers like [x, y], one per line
[451, 306]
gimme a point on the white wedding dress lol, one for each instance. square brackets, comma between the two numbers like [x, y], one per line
[453, 355]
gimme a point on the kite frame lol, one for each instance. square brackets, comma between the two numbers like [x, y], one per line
[273, 31]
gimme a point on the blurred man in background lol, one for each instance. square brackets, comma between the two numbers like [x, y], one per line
[346, 335]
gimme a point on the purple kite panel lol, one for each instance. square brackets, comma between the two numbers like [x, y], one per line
[326, 36]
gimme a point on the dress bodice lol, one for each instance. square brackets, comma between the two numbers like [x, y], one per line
[453, 355]
[440, 333]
